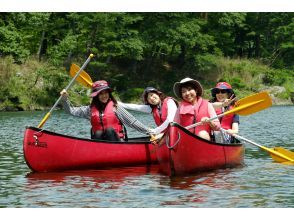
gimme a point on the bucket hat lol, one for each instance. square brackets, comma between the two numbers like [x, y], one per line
[195, 83]
[99, 86]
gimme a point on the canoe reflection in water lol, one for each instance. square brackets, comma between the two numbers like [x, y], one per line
[197, 188]
[215, 179]
[140, 186]
[83, 177]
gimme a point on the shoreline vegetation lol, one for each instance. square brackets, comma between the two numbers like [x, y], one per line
[252, 51]
[35, 85]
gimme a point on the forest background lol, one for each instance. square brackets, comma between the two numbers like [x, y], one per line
[252, 51]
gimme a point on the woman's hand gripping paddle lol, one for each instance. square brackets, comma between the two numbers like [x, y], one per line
[245, 106]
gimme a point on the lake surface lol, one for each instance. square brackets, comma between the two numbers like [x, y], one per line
[260, 183]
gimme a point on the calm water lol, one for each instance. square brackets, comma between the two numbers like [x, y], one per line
[260, 183]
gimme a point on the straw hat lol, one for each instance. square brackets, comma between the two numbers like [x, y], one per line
[195, 83]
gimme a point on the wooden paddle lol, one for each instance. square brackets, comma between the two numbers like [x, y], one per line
[83, 78]
[245, 106]
[67, 87]
[278, 154]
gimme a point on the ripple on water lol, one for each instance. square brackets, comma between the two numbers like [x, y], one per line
[260, 183]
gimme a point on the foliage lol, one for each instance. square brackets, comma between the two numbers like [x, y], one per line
[12, 44]
[135, 50]
[32, 85]
[132, 95]
[279, 77]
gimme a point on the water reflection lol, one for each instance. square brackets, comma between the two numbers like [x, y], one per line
[214, 179]
[198, 190]
[261, 183]
[119, 185]
[84, 177]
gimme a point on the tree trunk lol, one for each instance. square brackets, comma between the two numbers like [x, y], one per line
[42, 46]
[204, 15]
[182, 56]
[257, 45]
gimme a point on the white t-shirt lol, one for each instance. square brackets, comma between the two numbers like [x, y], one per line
[171, 111]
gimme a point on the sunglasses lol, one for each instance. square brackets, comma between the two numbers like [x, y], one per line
[222, 91]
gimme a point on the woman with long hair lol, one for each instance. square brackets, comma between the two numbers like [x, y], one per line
[162, 108]
[106, 116]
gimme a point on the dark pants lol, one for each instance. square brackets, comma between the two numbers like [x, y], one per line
[109, 134]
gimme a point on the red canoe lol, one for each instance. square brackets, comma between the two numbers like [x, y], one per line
[181, 152]
[48, 151]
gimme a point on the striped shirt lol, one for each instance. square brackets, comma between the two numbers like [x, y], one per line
[123, 115]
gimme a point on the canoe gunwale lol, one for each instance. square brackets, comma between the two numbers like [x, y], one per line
[174, 124]
[136, 140]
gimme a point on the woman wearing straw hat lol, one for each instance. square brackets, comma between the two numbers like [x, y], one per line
[106, 116]
[193, 108]
[162, 108]
[223, 99]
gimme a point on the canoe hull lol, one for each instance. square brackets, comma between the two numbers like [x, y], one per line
[48, 151]
[181, 152]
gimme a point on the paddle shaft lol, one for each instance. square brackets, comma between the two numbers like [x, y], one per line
[234, 110]
[66, 88]
[199, 123]
[244, 139]
[262, 147]
[211, 119]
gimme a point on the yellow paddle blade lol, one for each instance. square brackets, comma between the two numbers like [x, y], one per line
[278, 156]
[83, 78]
[252, 104]
[286, 152]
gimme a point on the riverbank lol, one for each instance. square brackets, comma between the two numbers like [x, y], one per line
[35, 85]
[276, 93]
[275, 100]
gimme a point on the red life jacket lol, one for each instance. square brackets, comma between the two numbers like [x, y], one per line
[227, 120]
[107, 119]
[191, 114]
[160, 115]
